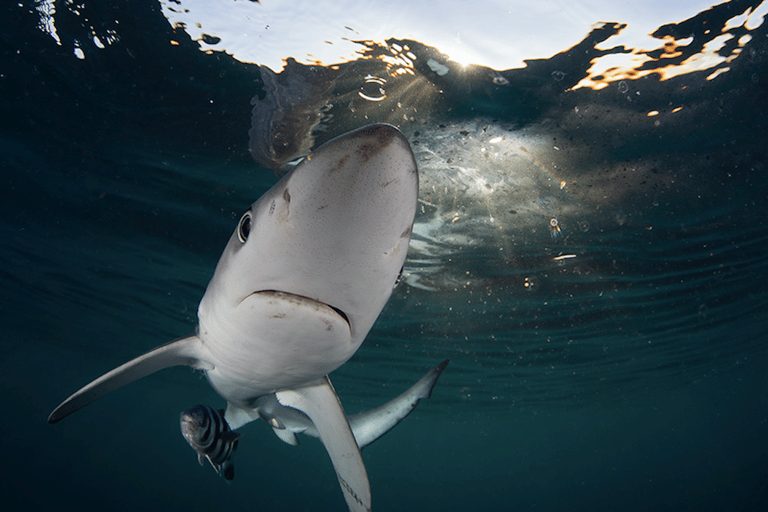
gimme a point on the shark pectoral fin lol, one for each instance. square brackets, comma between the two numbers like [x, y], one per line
[185, 351]
[286, 436]
[318, 400]
[370, 425]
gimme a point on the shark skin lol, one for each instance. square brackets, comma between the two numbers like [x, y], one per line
[298, 287]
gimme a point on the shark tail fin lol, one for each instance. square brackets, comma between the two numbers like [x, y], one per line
[184, 351]
[371, 425]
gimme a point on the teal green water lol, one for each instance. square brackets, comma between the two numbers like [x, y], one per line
[633, 376]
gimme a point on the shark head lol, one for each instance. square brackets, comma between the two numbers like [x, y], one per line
[323, 247]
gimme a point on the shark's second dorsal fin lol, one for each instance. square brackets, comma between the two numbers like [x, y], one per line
[184, 351]
[318, 400]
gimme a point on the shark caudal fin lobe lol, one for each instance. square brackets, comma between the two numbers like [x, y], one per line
[182, 352]
[370, 425]
[319, 401]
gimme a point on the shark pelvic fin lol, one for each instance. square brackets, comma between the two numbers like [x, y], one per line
[319, 401]
[184, 351]
[287, 436]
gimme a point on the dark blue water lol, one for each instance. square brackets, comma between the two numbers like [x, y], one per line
[631, 376]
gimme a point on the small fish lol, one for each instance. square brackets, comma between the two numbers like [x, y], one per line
[209, 435]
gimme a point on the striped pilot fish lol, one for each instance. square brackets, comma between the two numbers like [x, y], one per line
[209, 435]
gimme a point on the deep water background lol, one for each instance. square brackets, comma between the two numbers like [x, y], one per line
[633, 379]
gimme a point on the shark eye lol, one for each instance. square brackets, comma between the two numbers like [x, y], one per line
[244, 227]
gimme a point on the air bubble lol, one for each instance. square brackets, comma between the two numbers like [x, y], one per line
[531, 283]
[554, 228]
[373, 89]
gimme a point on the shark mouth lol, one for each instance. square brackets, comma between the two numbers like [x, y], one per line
[302, 300]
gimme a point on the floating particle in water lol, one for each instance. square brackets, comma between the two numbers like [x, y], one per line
[554, 228]
[623, 87]
[584, 226]
[558, 75]
[531, 283]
